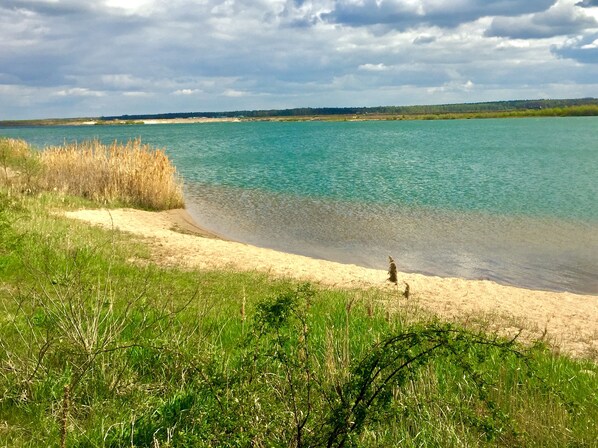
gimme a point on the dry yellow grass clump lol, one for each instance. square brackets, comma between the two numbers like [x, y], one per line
[19, 166]
[132, 174]
[13, 148]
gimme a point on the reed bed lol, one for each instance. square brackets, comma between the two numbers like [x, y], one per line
[131, 174]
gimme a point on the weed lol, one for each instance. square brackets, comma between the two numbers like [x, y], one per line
[392, 271]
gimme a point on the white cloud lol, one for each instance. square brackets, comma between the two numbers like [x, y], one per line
[373, 67]
[130, 6]
[453, 87]
[234, 93]
[121, 80]
[79, 91]
[186, 92]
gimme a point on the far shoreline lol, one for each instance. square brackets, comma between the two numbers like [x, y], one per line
[582, 107]
[303, 119]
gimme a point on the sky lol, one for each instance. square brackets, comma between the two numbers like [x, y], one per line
[74, 58]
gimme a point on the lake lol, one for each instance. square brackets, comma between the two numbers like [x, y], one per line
[510, 200]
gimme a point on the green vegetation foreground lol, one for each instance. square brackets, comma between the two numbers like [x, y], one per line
[97, 350]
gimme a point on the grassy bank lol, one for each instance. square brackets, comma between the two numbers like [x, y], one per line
[100, 346]
[570, 111]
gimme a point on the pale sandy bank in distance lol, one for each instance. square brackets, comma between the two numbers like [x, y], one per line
[190, 120]
[165, 121]
[570, 321]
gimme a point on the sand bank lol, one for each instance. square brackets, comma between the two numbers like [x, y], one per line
[190, 120]
[570, 321]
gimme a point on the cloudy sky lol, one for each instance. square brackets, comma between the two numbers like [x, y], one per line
[69, 58]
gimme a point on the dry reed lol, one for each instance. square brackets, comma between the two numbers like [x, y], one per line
[392, 271]
[129, 174]
[18, 164]
[12, 148]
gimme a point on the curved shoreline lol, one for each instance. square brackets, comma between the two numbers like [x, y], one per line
[525, 251]
[569, 321]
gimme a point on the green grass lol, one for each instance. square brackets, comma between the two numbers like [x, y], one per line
[157, 356]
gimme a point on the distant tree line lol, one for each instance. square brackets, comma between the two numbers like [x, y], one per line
[494, 109]
[465, 108]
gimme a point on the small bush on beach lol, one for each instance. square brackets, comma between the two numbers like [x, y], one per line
[132, 174]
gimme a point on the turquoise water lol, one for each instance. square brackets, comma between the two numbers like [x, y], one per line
[508, 200]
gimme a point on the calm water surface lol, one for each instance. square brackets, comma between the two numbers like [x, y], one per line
[508, 200]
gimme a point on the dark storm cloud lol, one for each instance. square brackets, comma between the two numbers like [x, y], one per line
[422, 40]
[49, 43]
[587, 3]
[404, 14]
[560, 20]
[60, 9]
[584, 50]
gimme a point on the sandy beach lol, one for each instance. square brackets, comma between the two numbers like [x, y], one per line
[190, 120]
[569, 321]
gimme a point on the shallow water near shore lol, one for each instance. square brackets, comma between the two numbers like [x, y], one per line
[536, 253]
[508, 200]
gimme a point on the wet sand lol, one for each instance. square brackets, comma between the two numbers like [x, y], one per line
[569, 321]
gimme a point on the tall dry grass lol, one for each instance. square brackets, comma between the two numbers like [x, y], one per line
[19, 166]
[12, 149]
[130, 174]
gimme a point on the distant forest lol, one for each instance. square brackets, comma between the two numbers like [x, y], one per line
[441, 109]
